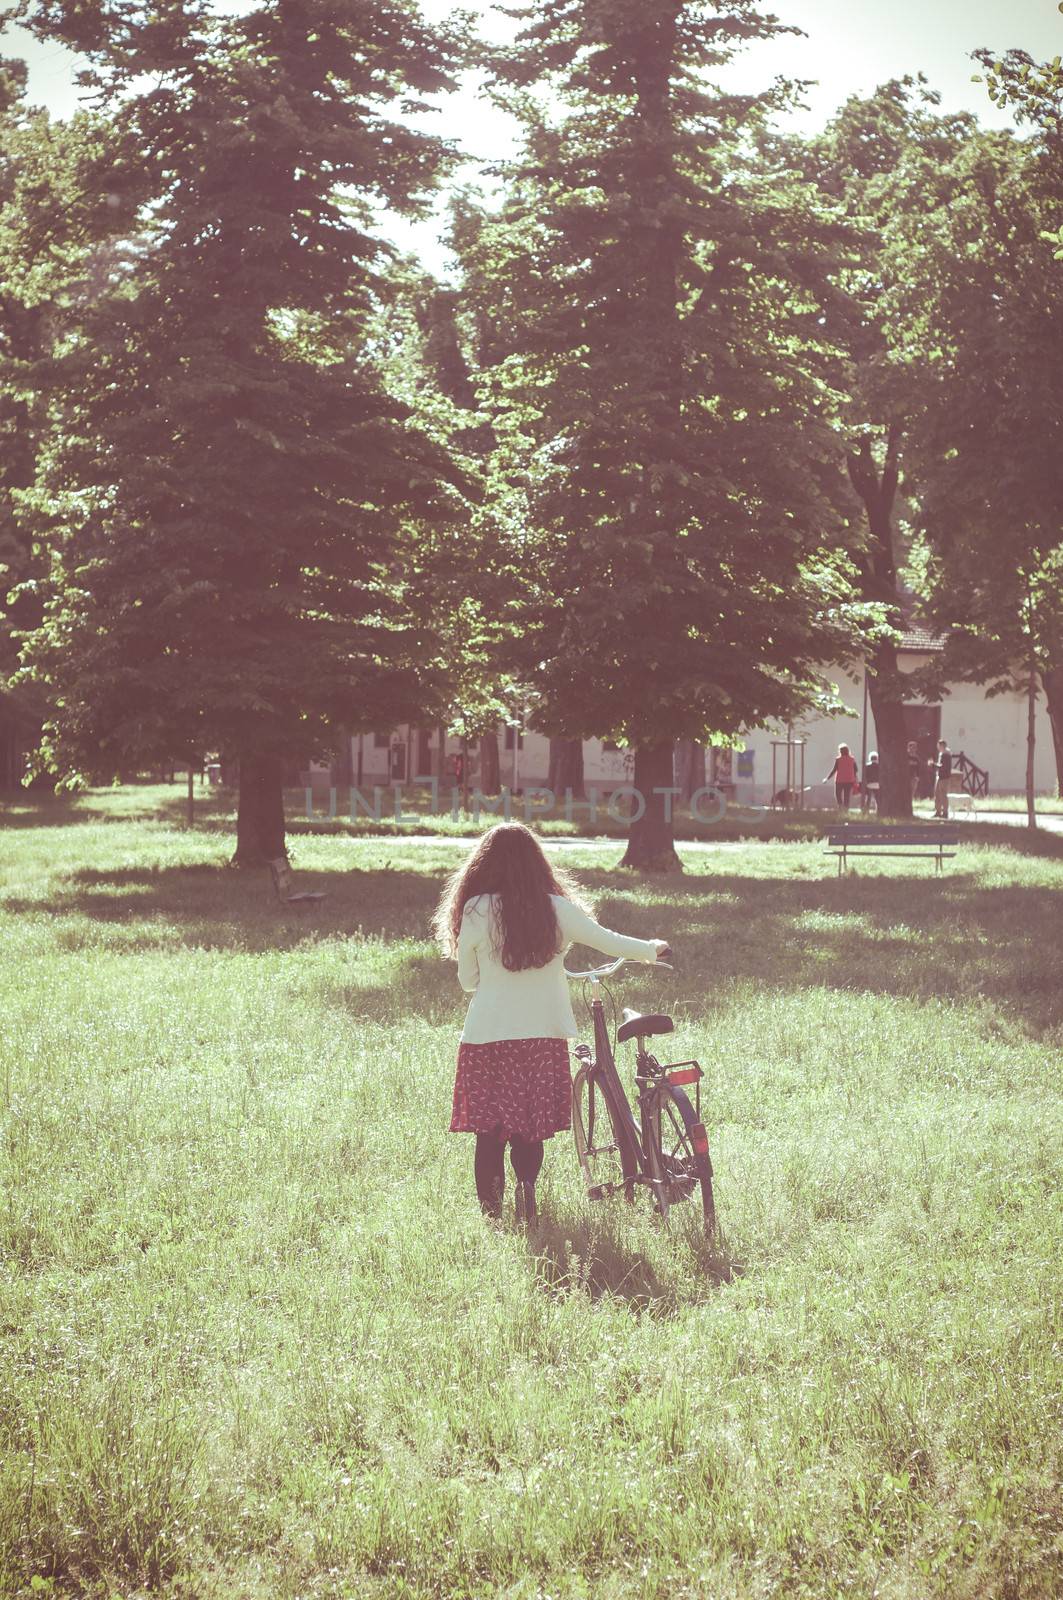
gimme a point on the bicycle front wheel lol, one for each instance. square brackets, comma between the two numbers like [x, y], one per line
[603, 1143]
[683, 1154]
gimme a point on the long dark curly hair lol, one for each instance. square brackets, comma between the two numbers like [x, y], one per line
[508, 862]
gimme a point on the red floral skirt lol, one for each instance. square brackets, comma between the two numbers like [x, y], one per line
[513, 1087]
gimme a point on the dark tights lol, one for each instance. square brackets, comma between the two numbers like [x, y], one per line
[526, 1157]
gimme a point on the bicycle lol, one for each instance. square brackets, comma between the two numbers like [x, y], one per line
[668, 1149]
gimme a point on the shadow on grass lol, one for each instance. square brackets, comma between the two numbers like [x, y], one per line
[922, 937]
[213, 905]
[574, 1256]
[48, 812]
[917, 934]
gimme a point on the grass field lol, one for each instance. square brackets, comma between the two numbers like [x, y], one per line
[257, 1341]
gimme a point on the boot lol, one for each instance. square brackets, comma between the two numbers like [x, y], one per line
[527, 1213]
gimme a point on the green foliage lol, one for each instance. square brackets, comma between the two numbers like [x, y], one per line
[1033, 91]
[879, 163]
[239, 504]
[474, 583]
[43, 263]
[658, 383]
[982, 305]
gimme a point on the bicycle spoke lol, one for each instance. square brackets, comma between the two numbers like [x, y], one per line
[606, 1167]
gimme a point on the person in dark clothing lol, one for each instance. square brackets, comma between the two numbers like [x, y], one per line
[914, 768]
[942, 774]
[844, 774]
[871, 784]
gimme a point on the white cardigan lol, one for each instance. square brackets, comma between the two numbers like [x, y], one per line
[533, 1003]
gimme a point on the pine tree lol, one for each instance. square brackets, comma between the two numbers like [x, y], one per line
[662, 404]
[240, 501]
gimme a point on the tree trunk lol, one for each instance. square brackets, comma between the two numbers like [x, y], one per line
[440, 764]
[260, 811]
[885, 690]
[343, 765]
[690, 769]
[877, 488]
[190, 799]
[1031, 738]
[1053, 687]
[566, 767]
[10, 758]
[651, 840]
[490, 779]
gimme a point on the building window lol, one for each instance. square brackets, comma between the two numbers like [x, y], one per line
[509, 738]
[381, 741]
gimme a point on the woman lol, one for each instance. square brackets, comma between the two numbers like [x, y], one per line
[844, 774]
[509, 916]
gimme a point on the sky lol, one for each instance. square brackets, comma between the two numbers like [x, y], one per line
[849, 46]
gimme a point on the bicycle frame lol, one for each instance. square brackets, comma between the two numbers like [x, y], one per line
[629, 1140]
[639, 1148]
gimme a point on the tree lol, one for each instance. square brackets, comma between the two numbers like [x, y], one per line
[881, 162]
[1035, 93]
[565, 774]
[662, 404]
[239, 501]
[476, 582]
[42, 234]
[982, 300]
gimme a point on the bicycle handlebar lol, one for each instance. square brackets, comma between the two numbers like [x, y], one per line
[607, 970]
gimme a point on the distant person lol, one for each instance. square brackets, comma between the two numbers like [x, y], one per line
[914, 768]
[844, 774]
[942, 774]
[509, 916]
[871, 783]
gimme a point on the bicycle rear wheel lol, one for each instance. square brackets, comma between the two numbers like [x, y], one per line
[602, 1137]
[683, 1154]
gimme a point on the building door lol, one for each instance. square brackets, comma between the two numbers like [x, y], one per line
[923, 724]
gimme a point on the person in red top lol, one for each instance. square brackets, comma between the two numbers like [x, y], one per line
[844, 774]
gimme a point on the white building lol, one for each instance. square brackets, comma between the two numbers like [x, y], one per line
[991, 732]
[410, 753]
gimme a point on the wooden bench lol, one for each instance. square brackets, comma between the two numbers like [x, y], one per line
[923, 841]
[281, 873]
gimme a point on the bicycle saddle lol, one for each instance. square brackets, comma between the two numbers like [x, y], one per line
[635, 1026]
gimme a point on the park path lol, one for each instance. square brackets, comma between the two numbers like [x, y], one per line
[1017, 819]
[549, 843]
[1008, 819]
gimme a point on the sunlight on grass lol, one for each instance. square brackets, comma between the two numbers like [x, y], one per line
[257, 1339]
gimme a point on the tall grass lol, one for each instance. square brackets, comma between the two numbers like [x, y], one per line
[256, 1339]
